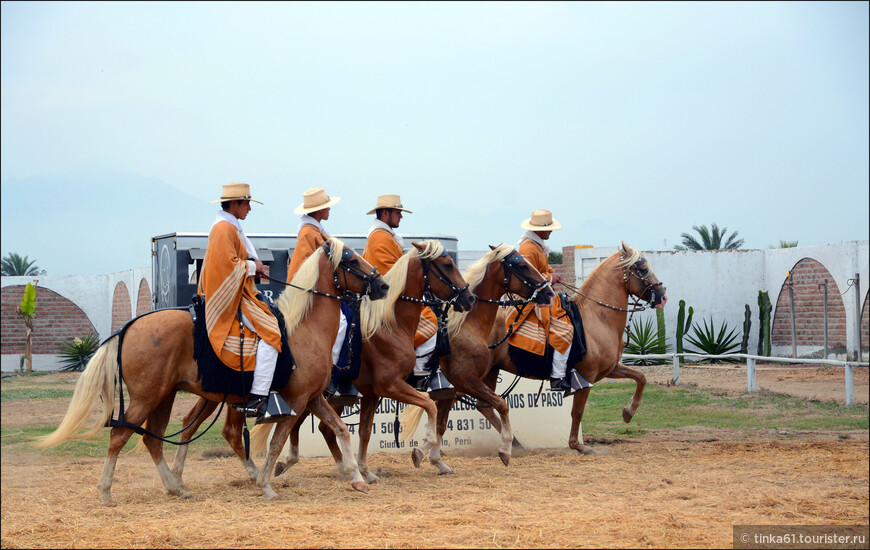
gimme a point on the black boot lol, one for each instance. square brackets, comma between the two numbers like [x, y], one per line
[559, 384]
[254, 406]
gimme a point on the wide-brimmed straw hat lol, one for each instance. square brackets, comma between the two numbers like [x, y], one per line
[541, 220]
[389, 201]
[315, 199]
[236, 192]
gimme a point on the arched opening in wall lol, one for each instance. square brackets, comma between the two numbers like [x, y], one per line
[809, 279]
[57, 321]
[865, 327]
[121, 312]
[143, 301]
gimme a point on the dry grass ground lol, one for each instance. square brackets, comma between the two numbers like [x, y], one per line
[664, 489]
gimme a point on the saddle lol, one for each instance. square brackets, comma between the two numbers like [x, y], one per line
[217, 377]
[529, 365]
[349, 360]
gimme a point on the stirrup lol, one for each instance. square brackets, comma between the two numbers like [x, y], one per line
[343, 393]
[576, 382]
[276, 409]
[439, 387]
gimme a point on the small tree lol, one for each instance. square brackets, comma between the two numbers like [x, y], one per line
[785, 244]
[711, 239]
[14, 265]
[27, 310]
[554, 258]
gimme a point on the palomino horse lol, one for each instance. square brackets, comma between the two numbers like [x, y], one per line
[388, 357]
[502, 271]
[603, 301]
[157, 358]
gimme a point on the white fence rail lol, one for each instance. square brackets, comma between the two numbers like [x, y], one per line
[750, 366]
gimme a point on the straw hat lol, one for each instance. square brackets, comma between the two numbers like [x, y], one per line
[315, 199]
[389, 201]
[236, 192]
[541, 220]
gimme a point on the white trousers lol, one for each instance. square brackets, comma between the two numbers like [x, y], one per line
[560, 363]
[264, 369]
[339, 339]
[424, 349]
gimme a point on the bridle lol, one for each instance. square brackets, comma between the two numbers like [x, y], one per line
[511, 264]
[429, 298]
[639, 270]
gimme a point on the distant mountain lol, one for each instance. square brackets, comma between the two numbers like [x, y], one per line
[96, 222]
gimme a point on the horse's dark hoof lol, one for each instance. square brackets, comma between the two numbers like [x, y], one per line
[505, 458]
[360, 486]
[416, 457]
[517, 446]
[280, 468]
[584, 450]
[626, 415]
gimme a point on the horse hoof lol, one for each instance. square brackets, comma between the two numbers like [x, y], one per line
[517, 446]
[360, 486]
[505, 458]
[584, 450]
[184, 495]
[416, 457]
[627, 415]
[280, 468]
[447, 472]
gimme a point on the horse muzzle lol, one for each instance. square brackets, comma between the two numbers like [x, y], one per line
[657, 297]
[545, 296]
[464, 301]
[378, 289]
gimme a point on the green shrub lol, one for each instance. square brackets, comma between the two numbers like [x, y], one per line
[76, 353]
[645, 340]
[709, 342]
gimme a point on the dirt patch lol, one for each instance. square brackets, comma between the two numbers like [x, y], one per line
[823, 382]
[668, 488]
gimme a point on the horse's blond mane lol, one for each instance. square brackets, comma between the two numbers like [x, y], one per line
[295, 301]
[629, 256]
[373, 314]
[474, 276]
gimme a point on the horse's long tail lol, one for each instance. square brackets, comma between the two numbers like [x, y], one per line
[260, 439]
[409, 419]
[96, 384]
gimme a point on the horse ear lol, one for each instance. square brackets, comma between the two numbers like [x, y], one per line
[418, 246]
[492, 247]
[624, 248]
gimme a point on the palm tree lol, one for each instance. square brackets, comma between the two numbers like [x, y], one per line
[15, 265]
[785, 244]
[711, 239]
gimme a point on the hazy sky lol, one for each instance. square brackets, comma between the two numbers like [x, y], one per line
[630, 121]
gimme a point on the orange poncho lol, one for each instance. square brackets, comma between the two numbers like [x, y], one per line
[547, 324]
[307, 241]
[225, 285]
[382, 251]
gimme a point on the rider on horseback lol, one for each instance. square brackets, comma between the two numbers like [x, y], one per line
[227, 286]
[383, 248]
[541, 326]
[315, 209]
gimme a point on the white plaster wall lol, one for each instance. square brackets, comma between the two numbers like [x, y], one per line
[91, 293]
[717, 284]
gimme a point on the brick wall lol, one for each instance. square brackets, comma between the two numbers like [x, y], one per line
[809, 304]
[566, 268]
[143, 301]
[57, 321]
[865, 323]
[121, 312]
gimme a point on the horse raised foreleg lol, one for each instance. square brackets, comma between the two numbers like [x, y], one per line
[622, 371]
[292, 456]
[482, 393]
[194, 418]
[575, 438]
[348, 466]
[157, 422]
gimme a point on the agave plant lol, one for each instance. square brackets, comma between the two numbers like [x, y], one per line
[645, 340]
[709, 342]
[76, 353]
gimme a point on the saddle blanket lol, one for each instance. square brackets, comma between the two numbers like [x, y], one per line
[529, 365]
